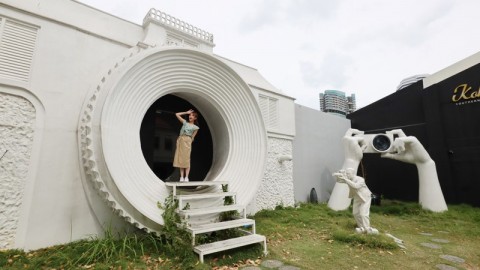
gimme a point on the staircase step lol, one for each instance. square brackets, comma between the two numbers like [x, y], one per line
[210, 227]
[196, 183]
[232, 243]
[204, 216]
[183, 198]
[205, 195]
[174, 185]
[212, 210]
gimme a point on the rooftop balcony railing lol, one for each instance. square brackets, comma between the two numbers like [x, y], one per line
[172, 22]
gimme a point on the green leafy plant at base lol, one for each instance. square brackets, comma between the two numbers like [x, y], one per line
[371, 241]
[175, 239]
[224, 216]
[125, 251]
[228, 200]
[107, 249]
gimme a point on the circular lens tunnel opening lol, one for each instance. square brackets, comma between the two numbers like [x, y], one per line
[158, 135]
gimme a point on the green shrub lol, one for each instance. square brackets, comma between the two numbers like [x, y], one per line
[367, 240]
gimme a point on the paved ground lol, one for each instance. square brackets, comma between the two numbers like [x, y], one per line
[451, 261]
[272, 264]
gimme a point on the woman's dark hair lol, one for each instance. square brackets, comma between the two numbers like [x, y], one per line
[196, 118]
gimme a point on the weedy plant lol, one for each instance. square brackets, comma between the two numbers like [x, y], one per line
[125, 251]
[228, 200]
[110, 247]
[174, 237]
[224, 216]
[371, 241]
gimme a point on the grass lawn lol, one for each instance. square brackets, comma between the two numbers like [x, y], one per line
[315, 237]
[309, 237]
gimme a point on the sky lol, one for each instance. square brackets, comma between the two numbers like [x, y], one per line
[304, 47]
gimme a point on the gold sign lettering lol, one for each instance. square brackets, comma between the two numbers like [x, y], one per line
[463, 92]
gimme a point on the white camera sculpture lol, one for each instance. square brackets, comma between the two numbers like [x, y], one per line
[404, 148]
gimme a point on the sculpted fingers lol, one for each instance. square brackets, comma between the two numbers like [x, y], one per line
[362, 143]
[399, 145]
[356, 142]
[394, 156]
[359, 140]
[349, 133]
[410, 140]
[356, 132]
[363, 147]
[352, 132]
[397, 132]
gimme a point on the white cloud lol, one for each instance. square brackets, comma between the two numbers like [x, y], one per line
[306, 46]
[332, 70]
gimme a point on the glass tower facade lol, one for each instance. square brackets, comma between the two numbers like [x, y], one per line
[336, 102]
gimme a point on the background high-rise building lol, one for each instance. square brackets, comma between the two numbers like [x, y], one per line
[351, 104]
[336, 102]
[411, 80]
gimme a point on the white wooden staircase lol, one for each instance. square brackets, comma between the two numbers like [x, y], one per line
[200, 220]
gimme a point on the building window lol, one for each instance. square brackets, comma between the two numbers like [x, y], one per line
[269, 108]
[17, 47]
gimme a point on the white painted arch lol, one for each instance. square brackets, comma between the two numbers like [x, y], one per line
[109, 128]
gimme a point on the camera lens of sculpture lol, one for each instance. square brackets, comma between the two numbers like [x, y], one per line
[381, 143]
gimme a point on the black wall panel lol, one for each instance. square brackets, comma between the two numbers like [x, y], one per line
[447, 124]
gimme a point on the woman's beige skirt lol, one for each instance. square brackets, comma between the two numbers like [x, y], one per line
[182, 153]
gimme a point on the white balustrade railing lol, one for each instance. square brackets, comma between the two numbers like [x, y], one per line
[178, 24]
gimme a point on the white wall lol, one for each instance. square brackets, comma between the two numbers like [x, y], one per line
[81, 17]
[67, 62]
[317, 152]
[75, 50]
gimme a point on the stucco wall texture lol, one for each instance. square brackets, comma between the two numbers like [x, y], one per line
[17, 119]
[277, 184]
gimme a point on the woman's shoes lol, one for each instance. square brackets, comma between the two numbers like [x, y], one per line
[184, 179]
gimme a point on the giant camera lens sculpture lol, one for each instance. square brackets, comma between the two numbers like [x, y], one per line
[381, 143]
[378, 143]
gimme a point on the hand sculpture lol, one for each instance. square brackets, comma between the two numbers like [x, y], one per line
[410, 150]
[353, 147]
[407, 149]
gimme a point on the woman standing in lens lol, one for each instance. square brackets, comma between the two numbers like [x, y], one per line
[184, 143]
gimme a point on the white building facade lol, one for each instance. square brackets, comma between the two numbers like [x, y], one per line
[75, 85]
